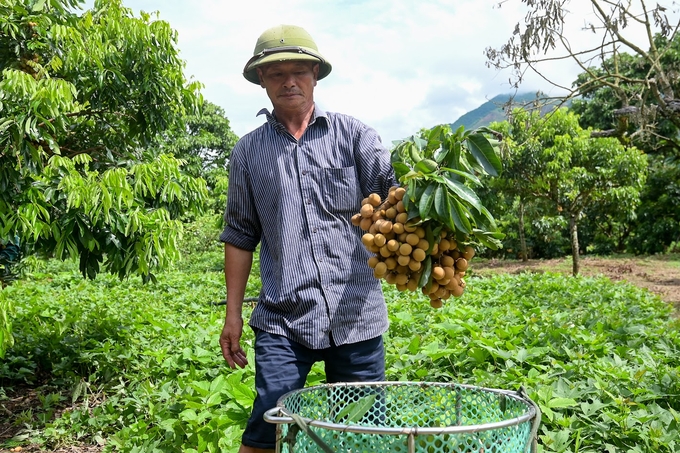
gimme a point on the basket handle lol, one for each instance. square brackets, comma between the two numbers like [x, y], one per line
[272, 416]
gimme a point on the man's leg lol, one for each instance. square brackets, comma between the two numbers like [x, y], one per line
[281, 365]
[356, 362]
[360, 362]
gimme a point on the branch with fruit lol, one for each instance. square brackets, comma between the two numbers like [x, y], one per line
[423, 235]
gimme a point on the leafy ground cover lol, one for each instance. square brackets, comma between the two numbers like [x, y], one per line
[110, 365]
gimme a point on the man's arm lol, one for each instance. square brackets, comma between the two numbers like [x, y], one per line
[237, 264]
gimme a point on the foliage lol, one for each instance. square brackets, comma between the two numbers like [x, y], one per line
[82, 98]
[542, 39]
[138, 368]
[657, 225]
[437, 169]
[554, 159]
[205, 142]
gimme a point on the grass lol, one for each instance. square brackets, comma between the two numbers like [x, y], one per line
[137, 367]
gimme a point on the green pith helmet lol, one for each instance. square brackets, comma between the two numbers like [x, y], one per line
[284, 42]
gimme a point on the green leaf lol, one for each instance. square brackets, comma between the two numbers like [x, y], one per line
[462, 174]
[556, 403]
[426, 200]
[464, 192]
[307, 430]
[484, 153]
[39, 5]
[356, 410]
[425, 273]
[459, 215]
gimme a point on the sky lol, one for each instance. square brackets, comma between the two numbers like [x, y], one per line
[398, 65]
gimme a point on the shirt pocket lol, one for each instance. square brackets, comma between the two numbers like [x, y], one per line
[340, 189]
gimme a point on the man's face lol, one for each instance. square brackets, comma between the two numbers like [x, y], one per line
[290, 84]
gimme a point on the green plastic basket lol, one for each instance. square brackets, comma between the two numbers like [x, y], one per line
[404, 417]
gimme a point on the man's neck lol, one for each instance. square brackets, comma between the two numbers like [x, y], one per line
[295, 122]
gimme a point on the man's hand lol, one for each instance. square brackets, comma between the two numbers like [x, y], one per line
[230, 342]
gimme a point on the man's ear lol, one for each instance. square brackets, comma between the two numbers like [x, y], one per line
[259, 75]
[315, 71]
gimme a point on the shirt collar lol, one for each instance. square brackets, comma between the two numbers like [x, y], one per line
[271, 119]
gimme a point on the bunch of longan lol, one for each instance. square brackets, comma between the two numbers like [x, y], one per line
[401, 249]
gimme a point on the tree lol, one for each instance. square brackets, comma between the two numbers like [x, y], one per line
[82, 98]
[645, 97]
[553, 158]
[204, 141]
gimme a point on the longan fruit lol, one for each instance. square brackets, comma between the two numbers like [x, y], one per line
[365, 224]
[391, 278]
[412, 284]
[402, 217]
[420, 232]
[393, 245]
[457, 291]
[444, 245]
[391, 263]
[436, 303]
[399, 193]
[379, 240]
[412, 239]
[468, 252]
[380, 268]
[419, 254]
[356, 219]
[367, 210]
[372, 261]
[447, 261]
[391, 213]
[402, 269]
[368, 239]
[405, 249]
[374, 199]
[398, 228]
[461, 264]
[414, 265]
[385, 227]
[402, 279]
[403, 260]
[438, 272]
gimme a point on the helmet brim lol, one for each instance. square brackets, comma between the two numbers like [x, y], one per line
[250, 71]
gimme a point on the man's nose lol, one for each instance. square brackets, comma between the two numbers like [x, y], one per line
[289, 80]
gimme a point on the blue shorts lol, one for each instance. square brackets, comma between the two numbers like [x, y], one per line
[282, 365]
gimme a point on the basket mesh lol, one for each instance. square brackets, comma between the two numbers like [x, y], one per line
[406, 417]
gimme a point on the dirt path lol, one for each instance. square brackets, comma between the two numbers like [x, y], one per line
[659, 274]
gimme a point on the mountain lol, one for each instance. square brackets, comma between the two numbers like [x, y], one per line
[494, 110]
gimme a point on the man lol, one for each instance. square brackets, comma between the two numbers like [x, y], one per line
[294, 184]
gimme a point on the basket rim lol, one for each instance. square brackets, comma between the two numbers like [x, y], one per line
[531, 413]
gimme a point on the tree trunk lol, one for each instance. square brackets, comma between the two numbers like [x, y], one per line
[522, 237]
[573, 234]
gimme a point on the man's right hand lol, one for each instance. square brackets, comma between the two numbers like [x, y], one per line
[230, 342]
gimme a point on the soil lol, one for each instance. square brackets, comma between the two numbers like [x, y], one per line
[658, 274]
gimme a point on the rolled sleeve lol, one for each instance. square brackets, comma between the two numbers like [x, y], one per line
[243, 229]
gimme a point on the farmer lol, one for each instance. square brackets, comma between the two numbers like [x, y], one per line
[294, 183]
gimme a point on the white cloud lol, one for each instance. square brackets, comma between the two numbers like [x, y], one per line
[398, 65]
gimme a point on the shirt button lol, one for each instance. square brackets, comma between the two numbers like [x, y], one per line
[304, 172]
[308, 201]
[314, 230]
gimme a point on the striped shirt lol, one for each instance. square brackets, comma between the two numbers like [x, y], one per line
[296, 198]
